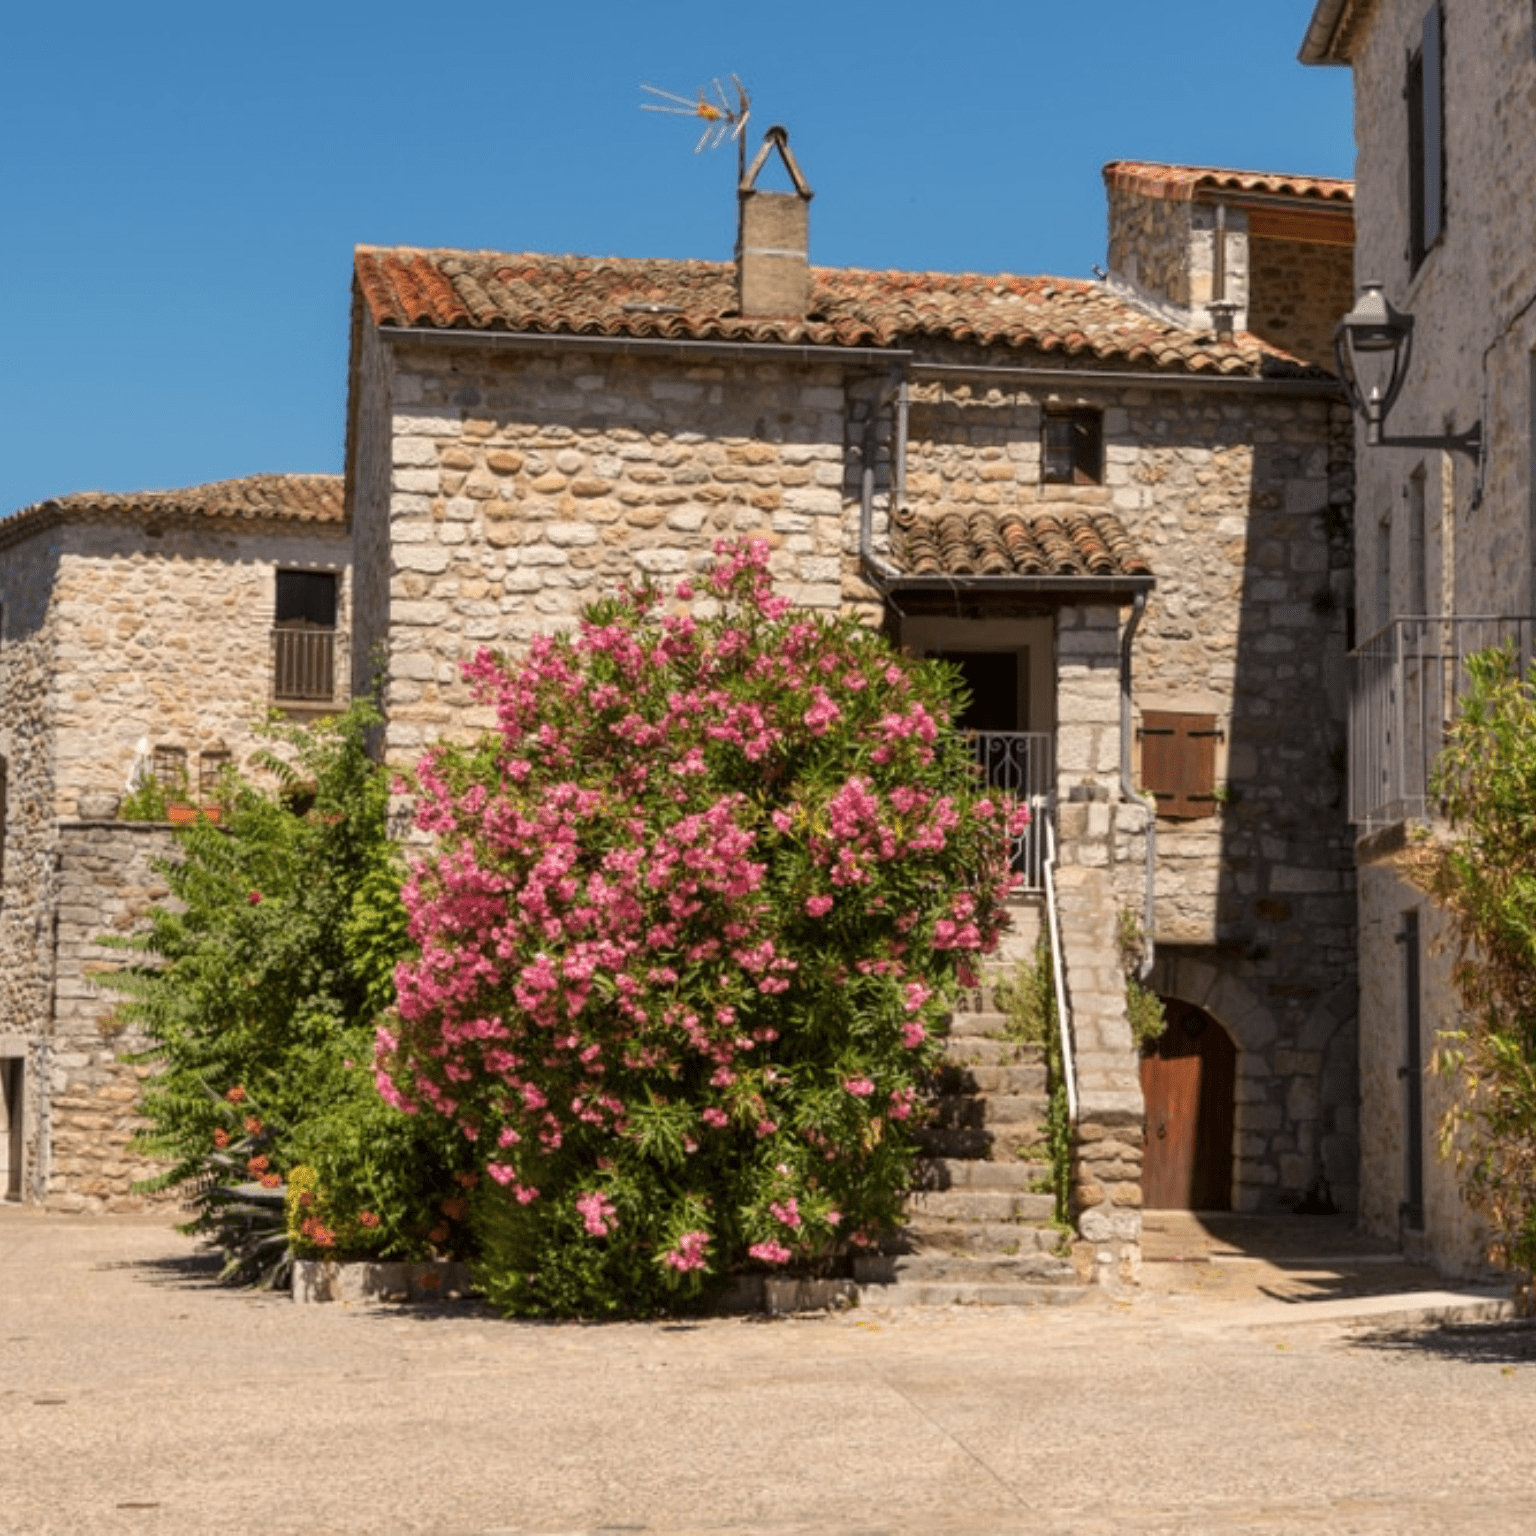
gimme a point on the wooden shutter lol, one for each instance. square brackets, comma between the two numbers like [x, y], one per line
[1178, 761]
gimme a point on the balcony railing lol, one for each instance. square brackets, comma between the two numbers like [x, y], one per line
[304, 665]
[1021, 763]
[1407, 681]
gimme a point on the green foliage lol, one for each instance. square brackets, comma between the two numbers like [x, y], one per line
[1484, 874]
[1028, 998]
[260, 985]
[146, 801]
[1143, 1007]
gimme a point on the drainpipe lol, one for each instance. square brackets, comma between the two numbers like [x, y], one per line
[1128, 787]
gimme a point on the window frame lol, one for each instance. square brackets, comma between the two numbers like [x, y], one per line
[1084, 446]
[1424, 90]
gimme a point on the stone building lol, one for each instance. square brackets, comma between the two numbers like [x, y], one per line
[1117, 505]
[156, 628]
[1445, 130]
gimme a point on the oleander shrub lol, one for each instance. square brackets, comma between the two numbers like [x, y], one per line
[686, 938]
[258, 990]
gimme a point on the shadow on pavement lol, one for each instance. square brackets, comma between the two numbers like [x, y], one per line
[1497, 1343]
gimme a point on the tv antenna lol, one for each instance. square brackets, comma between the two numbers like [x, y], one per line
[721, 119]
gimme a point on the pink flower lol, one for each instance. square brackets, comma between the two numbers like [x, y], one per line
[818, 906]
[859, 1087]
[597, 1213]
[715, 1117]
[770, 1253]
[689, 1253]
[913, 1035]
[254, 898]
[501, 1172]
[788, 1212]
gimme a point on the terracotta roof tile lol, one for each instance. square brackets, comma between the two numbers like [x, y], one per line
[1053, 318]
[1180, 183]
[256, 498]
[1064, 540]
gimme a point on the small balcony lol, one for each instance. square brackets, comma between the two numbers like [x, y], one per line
[1407, 681]
[303, 665]
[1022, 763]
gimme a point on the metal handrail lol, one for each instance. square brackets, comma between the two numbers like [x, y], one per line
[1019, 762]
[1041, 812]
[1405, 694]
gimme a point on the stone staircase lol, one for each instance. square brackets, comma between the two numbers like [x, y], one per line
[978, 1229]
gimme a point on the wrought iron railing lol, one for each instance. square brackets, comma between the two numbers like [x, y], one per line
[1021, 762]
[304, 665]
[1407, 681]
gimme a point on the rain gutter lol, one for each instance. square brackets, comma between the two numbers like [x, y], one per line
[1128, 787]
[1080, 378]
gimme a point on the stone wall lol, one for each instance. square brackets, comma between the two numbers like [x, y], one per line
[28, 641]
[1298, 293]
[165, 634]
[1474, 340]
[106, 884]
[526, 485]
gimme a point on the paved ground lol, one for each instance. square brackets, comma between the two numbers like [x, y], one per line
[1272, 1378]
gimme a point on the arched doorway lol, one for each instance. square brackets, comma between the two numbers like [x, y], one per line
[1188, 1080]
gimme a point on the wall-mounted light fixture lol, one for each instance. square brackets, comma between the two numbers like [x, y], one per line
[1373, 344]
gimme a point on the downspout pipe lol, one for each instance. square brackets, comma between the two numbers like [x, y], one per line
[1128, 786]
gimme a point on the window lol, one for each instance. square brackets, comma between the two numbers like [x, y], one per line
[1072, 447]
[1426, 138]
[304, 637]
[210, 765]
[169, 766]
[1178, 761]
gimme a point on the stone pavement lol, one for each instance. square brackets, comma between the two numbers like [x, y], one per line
[137, 1396]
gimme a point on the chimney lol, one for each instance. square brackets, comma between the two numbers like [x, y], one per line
[773, 265]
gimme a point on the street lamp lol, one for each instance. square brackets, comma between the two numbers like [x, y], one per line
[1373, 344]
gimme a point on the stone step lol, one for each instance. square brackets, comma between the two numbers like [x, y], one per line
[969, 1204]
[983, 1050]
[984, 1269]
[952, 1110]
[1010, 1079]
[993, 1144]
[957, 1293]
[975, 1173]
[997, 1239]
[967, 1023]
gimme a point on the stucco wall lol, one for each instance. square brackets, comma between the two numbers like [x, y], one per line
[1473, 300]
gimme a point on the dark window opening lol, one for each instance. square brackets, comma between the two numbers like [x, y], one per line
[304, 637]
[306, 600]
[1178, 761]
[1072, 448]
[1426, 138]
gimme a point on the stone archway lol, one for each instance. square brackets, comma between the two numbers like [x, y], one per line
[1208, 986]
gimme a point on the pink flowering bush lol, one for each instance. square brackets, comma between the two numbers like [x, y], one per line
[686, 940]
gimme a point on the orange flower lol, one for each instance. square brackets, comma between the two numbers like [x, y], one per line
[221, 1137]
[271, 1180]
[257, 1165]
[235, 1095]
[253, 1125]
[455, 1208]
[367, 1219]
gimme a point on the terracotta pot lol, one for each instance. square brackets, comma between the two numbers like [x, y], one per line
[179, 814]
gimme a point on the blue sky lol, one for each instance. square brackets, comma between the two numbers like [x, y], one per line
[181, 184]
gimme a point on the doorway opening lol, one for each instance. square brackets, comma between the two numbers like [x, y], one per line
[12, 1100]
[1189, 1081]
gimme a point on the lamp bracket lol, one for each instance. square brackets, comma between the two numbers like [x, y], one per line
[1469, 442]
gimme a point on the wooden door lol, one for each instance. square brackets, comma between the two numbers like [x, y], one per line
[1188, 1078]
